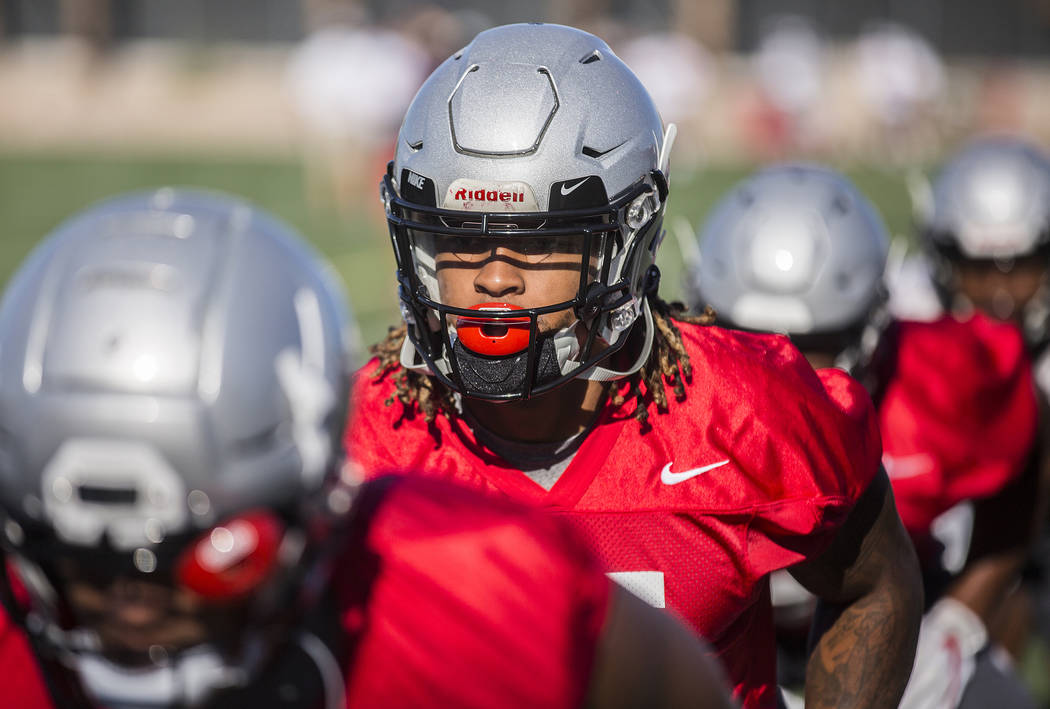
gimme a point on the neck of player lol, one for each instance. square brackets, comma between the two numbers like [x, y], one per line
[555, 416]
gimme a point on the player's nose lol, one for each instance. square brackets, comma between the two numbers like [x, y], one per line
[500, 276]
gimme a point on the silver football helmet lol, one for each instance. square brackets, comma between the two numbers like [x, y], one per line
[795, 249]
[991, 201]
[535, 138]
[991, 204]
[173, 385]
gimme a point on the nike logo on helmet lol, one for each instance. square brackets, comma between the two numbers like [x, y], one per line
[669, 478]
[566, 190]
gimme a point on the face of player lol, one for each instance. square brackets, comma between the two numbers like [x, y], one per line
[133, 617]
[1001, 289]
[525, 272]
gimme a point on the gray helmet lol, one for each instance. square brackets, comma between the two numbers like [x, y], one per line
[173, 363]
[531, 133]
[991, 201]
[794, 249]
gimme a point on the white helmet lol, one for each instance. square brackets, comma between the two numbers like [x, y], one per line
[173, 387]
[991, 201]
[794, 249]
[532, 135]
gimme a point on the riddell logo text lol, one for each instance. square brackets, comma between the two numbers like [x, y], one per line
[488, 195]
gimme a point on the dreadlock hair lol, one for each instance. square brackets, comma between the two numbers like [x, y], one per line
[668, 363]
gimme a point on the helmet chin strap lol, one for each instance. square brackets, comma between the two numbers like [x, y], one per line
[598, 373]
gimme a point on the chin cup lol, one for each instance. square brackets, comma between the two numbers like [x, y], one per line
[504, 375]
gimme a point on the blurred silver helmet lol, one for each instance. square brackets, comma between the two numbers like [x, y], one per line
[173, 384]
[532, 135]
[991, 201]
[794, 249]
[990, 208]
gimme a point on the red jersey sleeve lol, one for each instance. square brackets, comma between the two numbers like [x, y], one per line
[839, 451]
[958, 416]
[806, 444]
[460, 600]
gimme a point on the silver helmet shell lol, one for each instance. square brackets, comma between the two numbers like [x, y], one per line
[795, 249]
[170, 359]
[532, 130]
[991, 201]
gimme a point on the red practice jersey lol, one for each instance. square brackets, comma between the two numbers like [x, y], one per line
[958, 415]
[445, 599]
[752, 471]
[23, 684]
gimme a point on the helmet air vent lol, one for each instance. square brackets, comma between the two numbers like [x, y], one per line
[840, 204]
[596, 153]
[106, 495]
[594, 56]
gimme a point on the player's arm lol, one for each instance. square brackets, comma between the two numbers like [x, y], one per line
[867, 620]
[647, 658]
[1004, 528]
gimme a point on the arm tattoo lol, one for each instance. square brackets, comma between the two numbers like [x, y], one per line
[867, 624]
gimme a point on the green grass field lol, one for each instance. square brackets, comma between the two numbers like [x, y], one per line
[38, 191]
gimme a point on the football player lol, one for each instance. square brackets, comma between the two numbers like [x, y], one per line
[985, 226]
[537, 362]
[177, 530]
[797, 249]
[986, 233]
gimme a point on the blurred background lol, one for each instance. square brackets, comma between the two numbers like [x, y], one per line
[295, 103]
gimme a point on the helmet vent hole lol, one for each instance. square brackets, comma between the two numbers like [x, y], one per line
[100, 495]
[457, 56]
[841, 204]
[596, 153]
[416, 146]
[594, 56]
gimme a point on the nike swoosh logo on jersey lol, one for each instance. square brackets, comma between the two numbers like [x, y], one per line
[669, 478]
[569, 190]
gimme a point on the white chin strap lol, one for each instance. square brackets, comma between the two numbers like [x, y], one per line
[566, 344]
[185, 682]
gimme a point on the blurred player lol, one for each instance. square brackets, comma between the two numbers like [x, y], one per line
[525, 204]
[797, 249]
[176, 531]
[986, 230]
